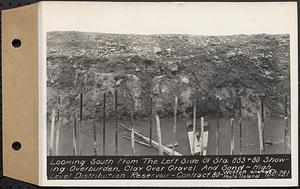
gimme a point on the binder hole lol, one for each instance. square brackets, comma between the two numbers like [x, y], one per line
[16, 146]
[16, 43]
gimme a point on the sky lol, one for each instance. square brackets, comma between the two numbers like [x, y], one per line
[178, 18]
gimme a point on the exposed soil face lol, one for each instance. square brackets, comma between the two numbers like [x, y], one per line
[165, 66]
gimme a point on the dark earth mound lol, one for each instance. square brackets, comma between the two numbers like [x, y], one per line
[164, 66]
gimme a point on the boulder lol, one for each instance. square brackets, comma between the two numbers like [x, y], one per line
[134, 85]
[239, 53]
[184, 79]
[156, 89]
[230, 54]
[185, 95]
[216, 57]
[158, 79]
[173, 67]
[164, 89]
[157, 50]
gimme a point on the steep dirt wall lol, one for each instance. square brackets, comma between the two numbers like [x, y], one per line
[165, 66]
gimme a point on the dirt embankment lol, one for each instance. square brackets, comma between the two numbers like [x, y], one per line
[165, 66]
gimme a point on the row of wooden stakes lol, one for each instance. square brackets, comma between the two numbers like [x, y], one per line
[148, 141]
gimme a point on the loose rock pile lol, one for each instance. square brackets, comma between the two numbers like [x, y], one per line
[165, 66]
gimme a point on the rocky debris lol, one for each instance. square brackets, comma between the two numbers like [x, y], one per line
[165, 66]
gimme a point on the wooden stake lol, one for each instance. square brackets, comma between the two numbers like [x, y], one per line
[57, 127]
[155, 144]
[240, 125]
[260, 136]
[132, 133]
[160, 148]
[80, 125]
[232, 137]
[52, 130]
[95, 132]
[116, 121]
[263, 123]
[286, 122]
[81, 100]
[194, 127]
[217, 129]
[57, 138]
[57, 134]
[74, 135]
[103, 122]
[201, 135]
[150, 124]
[136, 141]
[174, 126]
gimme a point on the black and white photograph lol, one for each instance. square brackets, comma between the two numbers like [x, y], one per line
[169, 91]
[173, 94]
[150, 94]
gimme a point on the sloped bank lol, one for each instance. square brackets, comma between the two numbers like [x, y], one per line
[202, 68]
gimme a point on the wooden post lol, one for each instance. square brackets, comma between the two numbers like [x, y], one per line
[136, 141]
[103, 122]
[217, 129]
[132, 133]
[150, 124]
[95, 132]
[74, 135]
[286, 122]
[174, 126]
[80, 125]
[116, 121]
[201, 135]
[263, 123]
[58, 121]
[160, 148]
[132, 141]
[232, 137]
[260, 135]
[194, 127]
[57, 135]
[240, 124]
[81, 100]
[165, 149]
[52, 130]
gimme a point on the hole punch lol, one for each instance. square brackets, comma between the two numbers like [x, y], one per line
[16, 146]
[16, 43]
